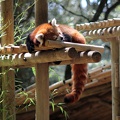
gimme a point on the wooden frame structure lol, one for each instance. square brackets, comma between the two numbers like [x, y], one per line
[109, 30]
[16, 56]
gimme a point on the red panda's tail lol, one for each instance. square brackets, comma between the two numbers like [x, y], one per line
[79, 80]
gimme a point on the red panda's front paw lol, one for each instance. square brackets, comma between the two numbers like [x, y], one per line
[67, 38]
[39, 38]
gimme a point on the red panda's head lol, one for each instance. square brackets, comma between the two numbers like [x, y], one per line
[46, 31]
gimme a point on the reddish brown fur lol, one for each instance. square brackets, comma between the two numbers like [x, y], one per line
[79, 80]
[76, 36]
[79, 70]
[47, 29]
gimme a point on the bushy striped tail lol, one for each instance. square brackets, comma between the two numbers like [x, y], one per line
[79, 79]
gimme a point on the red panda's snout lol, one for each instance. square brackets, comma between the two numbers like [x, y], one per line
[60, 37]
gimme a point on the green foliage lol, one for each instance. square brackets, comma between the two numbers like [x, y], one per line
[59, 106]
[22, 26]
[28, 100]
[53, 75]
[1, 96]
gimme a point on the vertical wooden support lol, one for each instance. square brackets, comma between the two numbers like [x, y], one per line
[115, 78]
[8, 21]
[41, 12]
[42, 75]
[8, 83]
[42, 92]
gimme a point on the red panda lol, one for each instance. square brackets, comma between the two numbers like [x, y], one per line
[52, 31]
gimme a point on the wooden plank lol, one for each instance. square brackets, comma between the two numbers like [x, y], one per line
[77, 46]
[11, 49]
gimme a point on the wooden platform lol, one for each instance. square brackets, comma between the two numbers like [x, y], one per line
[94, 104]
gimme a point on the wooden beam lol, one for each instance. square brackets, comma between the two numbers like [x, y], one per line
[42, 75]
[8, 22]
[115, 78]
[98, 25]
[38, 57]
[77, 46]
[8, 83]
[11, 49]
[103, 34]
[42, 92]
[41, 12]
[63, 56]
[82, 57]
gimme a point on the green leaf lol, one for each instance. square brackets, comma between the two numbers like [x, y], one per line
[66, 115]
[53, 106]
[61, 109]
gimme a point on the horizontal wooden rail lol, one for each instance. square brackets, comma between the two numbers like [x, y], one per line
[102, 33]
[49, 44]
[11, 49]
[77, 46]
[54, 57]
[38, 57]
[98, 25]
[83, 57]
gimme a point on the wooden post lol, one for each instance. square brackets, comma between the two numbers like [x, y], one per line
[8, 83]
[115, 78]
[42, 92]
[41, 12]
[42, 75]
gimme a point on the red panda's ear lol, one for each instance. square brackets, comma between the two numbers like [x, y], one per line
[54, 23]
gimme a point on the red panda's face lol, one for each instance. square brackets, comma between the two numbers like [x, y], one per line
[48, 31]
[53, 33]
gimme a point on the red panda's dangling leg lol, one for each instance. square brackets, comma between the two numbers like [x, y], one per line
[79, 79]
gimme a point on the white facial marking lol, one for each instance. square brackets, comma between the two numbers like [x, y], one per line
[60, 37]
[39, 38]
